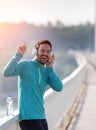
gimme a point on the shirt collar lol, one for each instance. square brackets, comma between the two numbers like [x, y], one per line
[37, 63]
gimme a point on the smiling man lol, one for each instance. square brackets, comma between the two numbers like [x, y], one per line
[34, 75]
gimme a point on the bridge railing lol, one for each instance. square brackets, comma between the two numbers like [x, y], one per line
[56, 103]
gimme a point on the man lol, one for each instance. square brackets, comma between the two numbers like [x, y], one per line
[34, 75]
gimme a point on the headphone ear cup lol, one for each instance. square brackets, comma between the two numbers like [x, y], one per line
[34, 51]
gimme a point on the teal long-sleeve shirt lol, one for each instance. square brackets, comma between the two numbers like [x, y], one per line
[32, 81]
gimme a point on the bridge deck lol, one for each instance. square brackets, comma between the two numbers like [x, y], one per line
[85, 118]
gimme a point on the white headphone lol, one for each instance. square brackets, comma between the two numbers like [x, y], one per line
[34, 51]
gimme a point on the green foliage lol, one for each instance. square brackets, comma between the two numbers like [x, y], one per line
[76, 37]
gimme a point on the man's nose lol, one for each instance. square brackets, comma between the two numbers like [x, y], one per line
[45, 53]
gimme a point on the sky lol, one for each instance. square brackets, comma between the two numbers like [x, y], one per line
[42, 11]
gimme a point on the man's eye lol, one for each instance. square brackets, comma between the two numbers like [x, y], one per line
[43, 51]
[48, 52]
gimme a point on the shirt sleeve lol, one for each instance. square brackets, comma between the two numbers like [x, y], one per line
[13, 68]
[53, 80]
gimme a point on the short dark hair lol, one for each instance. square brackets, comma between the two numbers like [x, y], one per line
[43, 42]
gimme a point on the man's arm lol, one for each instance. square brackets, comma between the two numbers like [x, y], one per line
[53, 79]
[13, 68]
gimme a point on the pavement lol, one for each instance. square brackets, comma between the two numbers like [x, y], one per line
[85, 117]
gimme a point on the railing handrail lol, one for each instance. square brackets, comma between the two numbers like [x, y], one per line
[4, 122]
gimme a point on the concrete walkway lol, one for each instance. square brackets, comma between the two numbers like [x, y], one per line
[85, 118]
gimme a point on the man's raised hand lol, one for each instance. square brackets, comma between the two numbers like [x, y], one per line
[21, 49]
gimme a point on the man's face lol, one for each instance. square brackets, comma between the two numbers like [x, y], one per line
[43, 53]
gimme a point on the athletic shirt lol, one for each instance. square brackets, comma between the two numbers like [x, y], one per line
[33, 78]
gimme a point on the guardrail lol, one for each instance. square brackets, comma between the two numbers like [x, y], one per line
[56, 103]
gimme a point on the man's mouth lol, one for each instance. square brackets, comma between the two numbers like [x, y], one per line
[44, 57]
